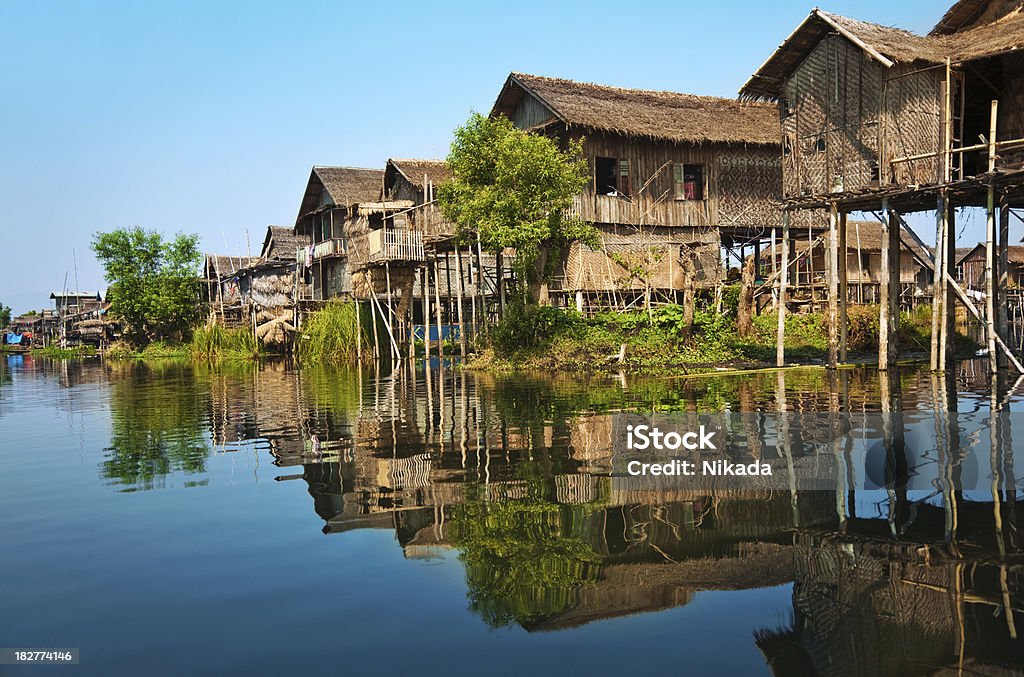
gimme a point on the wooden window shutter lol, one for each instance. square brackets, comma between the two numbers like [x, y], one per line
[625, 186]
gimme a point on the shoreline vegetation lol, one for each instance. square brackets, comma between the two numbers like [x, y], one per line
[661, 342]
[664, 340]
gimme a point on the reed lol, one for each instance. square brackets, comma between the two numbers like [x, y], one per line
[331, 335]
[214, 342]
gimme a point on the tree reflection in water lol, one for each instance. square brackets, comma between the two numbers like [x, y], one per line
[158, 416]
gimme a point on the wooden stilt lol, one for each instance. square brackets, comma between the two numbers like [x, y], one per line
[844, 287]
[938, 282]
[990, 247]
[884, 307]
[437, 311]
[947, 348]
[1002, 254]
[359, 332]
[458, 291]
[783, 279]
[889, 289]
[425, 302]
[833, 286]
[391, 312]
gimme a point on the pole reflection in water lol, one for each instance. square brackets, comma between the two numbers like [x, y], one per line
[511, 475]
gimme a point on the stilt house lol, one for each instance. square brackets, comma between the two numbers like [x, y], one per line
[874, 117]
[674, 177]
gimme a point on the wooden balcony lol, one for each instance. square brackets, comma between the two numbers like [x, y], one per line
[389, 244]
[332, 247]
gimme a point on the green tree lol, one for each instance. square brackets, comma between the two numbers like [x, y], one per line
[154, 283]
[5, 315]
[514, 189]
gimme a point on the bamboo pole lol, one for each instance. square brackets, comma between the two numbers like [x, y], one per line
[459, 293]
[946, 347]
[833, 286]
[437, 311]
[884, 308]
[782, 281]
[359, 332]
[844, 287]
[1001, 278]
[990, 246]
[425, 302]
[938, 283]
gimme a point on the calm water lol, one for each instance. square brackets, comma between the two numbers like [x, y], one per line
[170, 519]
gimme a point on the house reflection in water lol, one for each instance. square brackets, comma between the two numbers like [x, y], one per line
[511, 476]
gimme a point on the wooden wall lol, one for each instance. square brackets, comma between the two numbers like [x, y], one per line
[843, 111]
[741, 184]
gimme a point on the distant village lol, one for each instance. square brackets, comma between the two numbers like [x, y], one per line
[688, 193]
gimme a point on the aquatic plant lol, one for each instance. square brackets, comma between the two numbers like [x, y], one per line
[331, 334]
[213, 342]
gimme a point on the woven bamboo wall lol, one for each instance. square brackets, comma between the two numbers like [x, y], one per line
[913, 122]
[842, 107]
[626, 261]
[749, 184]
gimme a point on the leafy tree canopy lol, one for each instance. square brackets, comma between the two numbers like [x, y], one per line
[5, 315]
[154, 283]
[514, 189]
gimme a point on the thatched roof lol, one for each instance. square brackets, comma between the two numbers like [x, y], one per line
[885, 44]
[217, 265]
[971, 13]
[344, 186]
[436, 171]
[664, 116]
[281, 242]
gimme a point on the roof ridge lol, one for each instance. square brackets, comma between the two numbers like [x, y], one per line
[635, 90]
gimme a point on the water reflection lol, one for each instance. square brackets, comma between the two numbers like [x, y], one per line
[922, 574]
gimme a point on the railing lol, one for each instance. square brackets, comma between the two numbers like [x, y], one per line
[396, 245]
[334, 247]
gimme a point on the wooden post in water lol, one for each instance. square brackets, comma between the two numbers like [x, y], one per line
[938, 280]
[844, 287]
[946, 348]
[783, 280]
[833, 286]
[437, 313]
[425, 299]
[889, 288]
[459, 295]
[359, 331]
[1002, 278]
[990, 247]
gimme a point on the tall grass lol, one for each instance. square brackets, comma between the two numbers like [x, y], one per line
[330, 335]
[212, 342]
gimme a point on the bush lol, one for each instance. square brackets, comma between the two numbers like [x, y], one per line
[531, 326]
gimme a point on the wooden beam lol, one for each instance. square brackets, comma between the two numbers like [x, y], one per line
[1002, 277]
[938, 275]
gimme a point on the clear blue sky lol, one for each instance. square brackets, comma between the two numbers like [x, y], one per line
[206, 117]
